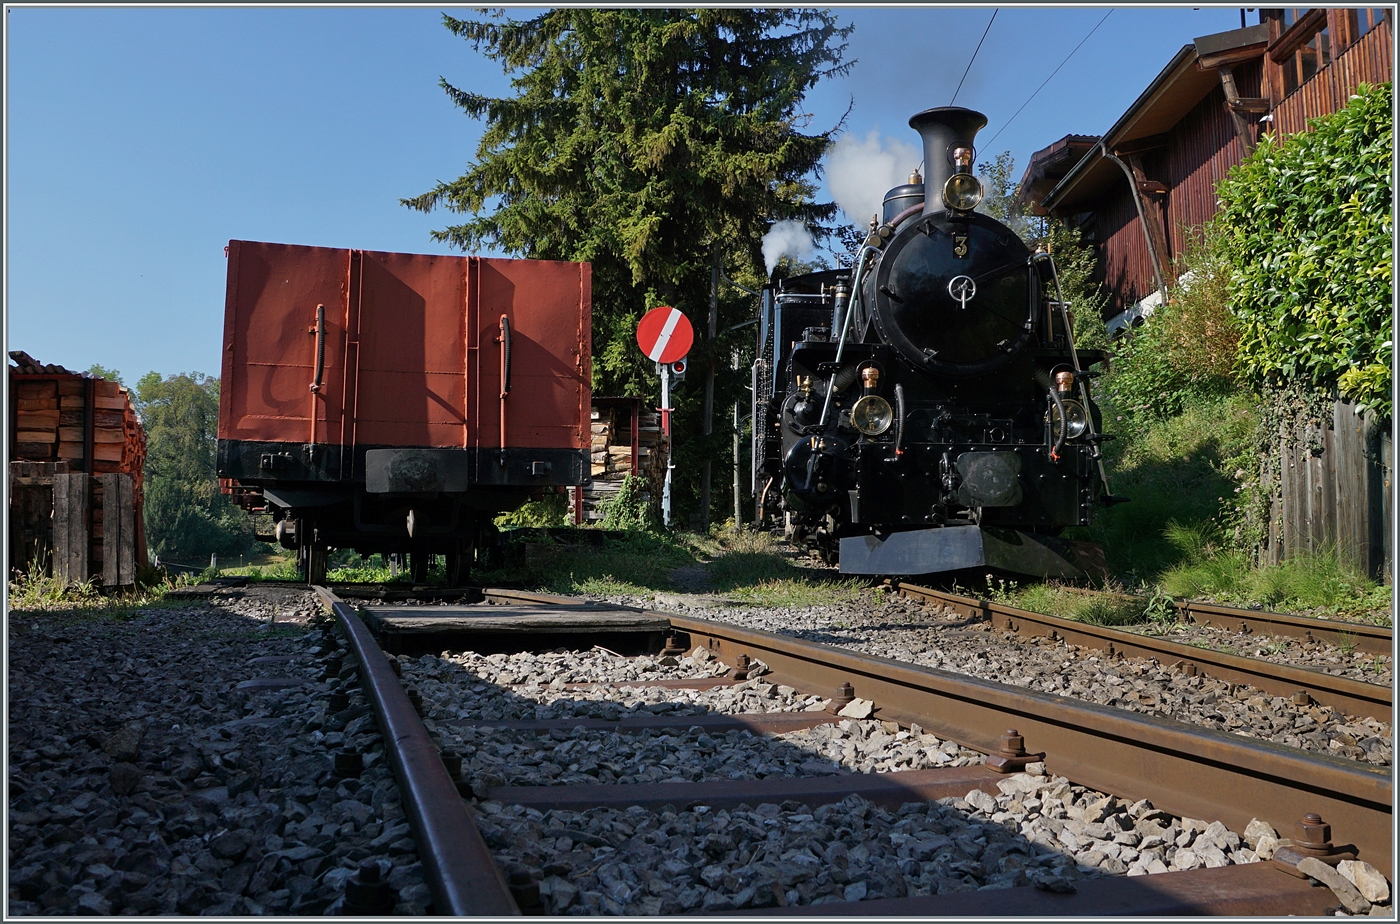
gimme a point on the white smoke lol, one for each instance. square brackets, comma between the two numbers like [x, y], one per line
[787, 239]
[859, 173]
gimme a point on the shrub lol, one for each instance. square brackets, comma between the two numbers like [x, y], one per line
[1307, 231]
[1187, 350]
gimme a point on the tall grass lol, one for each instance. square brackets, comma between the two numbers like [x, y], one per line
[1183, 468]
[1319, 582]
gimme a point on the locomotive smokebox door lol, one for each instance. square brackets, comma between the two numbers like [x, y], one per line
[989, 479]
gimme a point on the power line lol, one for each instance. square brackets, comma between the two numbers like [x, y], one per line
[974, 56]
[1048, 79]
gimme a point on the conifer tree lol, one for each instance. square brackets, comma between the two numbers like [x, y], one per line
[639, 140]
[658, 145]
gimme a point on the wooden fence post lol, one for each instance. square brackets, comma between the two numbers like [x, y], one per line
[70, 527]
[118, 530]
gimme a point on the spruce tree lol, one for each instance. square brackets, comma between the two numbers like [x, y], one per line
[650, 143]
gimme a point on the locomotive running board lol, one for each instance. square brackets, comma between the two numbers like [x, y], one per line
[953, 548]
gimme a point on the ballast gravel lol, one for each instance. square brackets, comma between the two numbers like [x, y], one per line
[1039, 830]
[144, 781]
[903, 630]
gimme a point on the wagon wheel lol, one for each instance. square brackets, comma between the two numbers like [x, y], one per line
[419, 562]
[459, 563]
[316, 555]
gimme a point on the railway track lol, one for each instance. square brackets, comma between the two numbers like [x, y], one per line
[1302, 685]
[1187, 772]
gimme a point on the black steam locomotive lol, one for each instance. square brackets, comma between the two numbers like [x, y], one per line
[926, 409]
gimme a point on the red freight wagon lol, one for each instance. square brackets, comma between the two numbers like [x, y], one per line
[393, 402]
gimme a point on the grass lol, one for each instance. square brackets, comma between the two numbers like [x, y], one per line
[1178, 469]
[638, 564]
[1319, 583]
[747, 567]
[1109, 606]
[34, 591]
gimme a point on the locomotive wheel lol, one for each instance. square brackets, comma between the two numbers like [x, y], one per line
[419, 562]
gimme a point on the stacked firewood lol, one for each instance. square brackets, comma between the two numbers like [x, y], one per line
[52, 416]
[72, 423]
[612, 454]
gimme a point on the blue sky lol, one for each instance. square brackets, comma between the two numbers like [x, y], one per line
[140, 140]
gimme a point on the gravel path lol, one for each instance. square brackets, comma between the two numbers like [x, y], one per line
[901, 629]
[143, 781]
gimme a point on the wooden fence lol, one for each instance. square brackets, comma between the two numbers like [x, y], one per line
[1334, 492]
[72, 525]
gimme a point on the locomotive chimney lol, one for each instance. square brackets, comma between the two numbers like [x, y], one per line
[943, 129]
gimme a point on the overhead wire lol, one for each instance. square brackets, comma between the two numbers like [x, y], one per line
[1048, 79]
[974, 56]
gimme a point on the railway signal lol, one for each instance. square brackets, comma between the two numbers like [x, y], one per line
[665, 336]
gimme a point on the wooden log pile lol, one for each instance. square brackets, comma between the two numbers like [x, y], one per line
[78, 449]
[612, 452]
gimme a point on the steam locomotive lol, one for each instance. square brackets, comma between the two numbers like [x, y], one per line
[926, 410]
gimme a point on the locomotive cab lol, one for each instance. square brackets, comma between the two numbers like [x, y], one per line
[941, 416]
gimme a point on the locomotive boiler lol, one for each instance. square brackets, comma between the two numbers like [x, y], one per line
[397, 403]
[926, 410]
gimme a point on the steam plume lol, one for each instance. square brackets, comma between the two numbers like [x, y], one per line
[787, 239]
[859, 173]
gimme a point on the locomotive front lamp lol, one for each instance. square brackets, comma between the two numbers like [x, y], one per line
[1076, 421]
[872, 415]
[962, 192]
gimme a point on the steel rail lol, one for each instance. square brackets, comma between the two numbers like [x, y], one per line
[1362, 636]
[457, 864]
[1350, 697]
[1368, 638]
[1185, 770]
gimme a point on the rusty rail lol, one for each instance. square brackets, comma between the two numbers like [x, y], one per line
[1362, 636]
[457, 864]
[1350, 697]
[1367, 638]
[1189, 771]
[1183, 769]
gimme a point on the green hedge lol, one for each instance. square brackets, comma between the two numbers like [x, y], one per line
[1307, 230]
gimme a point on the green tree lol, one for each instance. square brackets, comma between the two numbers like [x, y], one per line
[654, 144]
[187, 518]
[102, 372]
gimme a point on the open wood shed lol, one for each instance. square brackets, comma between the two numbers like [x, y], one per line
[75, 475]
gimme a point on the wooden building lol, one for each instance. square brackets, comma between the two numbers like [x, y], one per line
[75, 475]
[1149, 181]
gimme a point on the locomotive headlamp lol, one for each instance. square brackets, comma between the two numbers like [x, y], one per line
[962, 192]
[1076, 421]
[872, 415]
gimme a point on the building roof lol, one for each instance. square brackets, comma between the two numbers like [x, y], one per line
[1047, 167]
[1184, 82]
[1167, 99]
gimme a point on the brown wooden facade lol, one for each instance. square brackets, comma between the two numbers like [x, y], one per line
[1202, 115]
[1186, 131]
